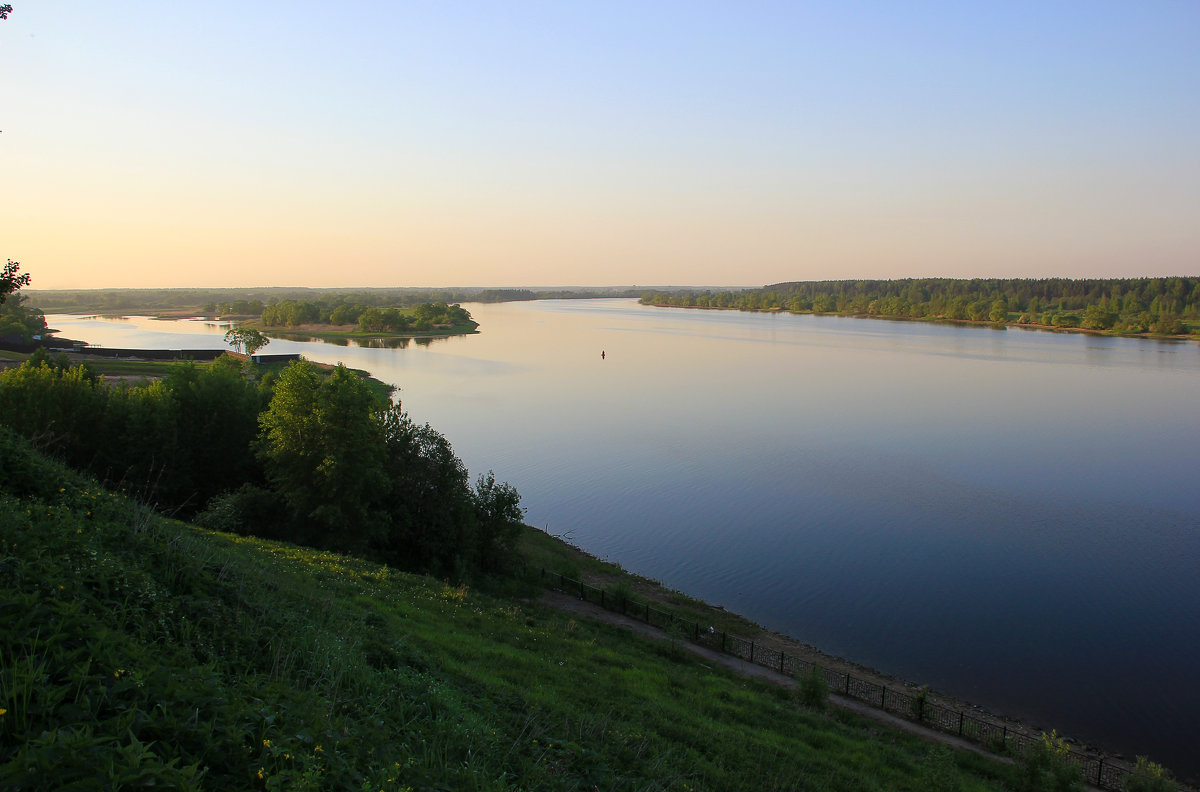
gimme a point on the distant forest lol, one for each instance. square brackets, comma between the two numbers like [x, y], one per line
[252, 301]
[1167, 306]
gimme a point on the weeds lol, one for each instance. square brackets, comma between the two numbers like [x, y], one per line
[1150, 777]
[814, 688]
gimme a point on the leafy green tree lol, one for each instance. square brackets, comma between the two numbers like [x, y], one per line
[1167, 324]
[216, 414]
[431, 513]
[1096, 317]
[288, 443]
[139, 449]
[18, 319]
[371, 321]
[61, 411]
[247, 338]
[10, 280]
[322, 449]
[498, 520]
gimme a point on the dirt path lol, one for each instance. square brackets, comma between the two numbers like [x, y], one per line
[568, 603]
[575, 606]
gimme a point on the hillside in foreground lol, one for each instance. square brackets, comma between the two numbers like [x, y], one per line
[141, 651]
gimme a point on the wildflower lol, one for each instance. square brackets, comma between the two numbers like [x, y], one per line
[260, 771]
[266, 743]
[3, 711]
[318, 749]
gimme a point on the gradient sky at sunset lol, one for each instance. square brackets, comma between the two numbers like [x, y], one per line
[570, 143]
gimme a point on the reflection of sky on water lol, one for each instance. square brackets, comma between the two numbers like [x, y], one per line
[1005, 514]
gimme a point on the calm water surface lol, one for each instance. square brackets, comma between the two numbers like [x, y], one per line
[1012, 517]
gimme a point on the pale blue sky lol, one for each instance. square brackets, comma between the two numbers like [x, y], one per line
[303, 143]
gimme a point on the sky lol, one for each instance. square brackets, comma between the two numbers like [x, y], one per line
[262, 143]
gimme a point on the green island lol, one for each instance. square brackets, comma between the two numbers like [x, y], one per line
[334, 320]
[1163, 307]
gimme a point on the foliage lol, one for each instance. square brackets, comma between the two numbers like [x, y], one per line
[10, 281]
[814, 688]
[1046, 767]
[1127, 305]
[178, 441]
[423, 317]
[322, 450]
[498, 520]
[1150, 777]
[144, 652]
[249, 302]
[246, 339]
[920, 700]
[314, 458]
[16, 317]
[429, 507]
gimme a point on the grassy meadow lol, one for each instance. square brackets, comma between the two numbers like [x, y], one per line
[140, 651]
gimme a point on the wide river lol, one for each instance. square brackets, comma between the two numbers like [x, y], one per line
[1009, 516]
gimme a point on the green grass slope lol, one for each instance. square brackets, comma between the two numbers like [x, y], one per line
[138, 651]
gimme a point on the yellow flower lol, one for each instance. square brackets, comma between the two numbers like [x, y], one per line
[3, 711]
[267, 743]
[260, 775]
[318, 749]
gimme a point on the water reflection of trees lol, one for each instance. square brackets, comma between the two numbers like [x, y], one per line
[369, 343]
[398, 343]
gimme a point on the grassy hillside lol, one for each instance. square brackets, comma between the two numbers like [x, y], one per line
[142, 651]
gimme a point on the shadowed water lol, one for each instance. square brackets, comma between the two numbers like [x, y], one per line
[1010, 516]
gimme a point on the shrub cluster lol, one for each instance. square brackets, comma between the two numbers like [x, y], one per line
[306, 457]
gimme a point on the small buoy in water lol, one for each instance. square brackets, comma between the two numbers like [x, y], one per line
[602, 354]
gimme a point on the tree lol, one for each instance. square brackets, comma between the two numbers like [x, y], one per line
[429, 504]
[246, 338]
[323, 451]
[498, 520]
[216, 411]
[10, 281]
[5, 10]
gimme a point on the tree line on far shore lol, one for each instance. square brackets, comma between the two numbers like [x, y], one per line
[1121, 305]
[310, 456]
